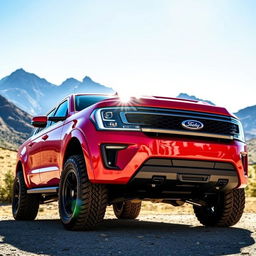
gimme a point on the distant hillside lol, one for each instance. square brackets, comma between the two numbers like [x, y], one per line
[246, 115]
[36, 95]
[191, 97]
[248, 118]
[252, 151]
[14, 124]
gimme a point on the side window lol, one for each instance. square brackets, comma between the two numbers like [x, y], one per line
[62, 110]
[49, 123]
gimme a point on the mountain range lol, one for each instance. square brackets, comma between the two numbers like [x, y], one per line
[248, 119]
[192, 97]
[36, 95]
[27, 93]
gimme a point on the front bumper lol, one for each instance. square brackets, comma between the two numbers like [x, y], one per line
[141, 147]
[186, 174]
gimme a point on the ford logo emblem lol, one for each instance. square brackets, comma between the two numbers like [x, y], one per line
[192, 125]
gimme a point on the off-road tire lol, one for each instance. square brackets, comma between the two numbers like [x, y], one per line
[226, 211]
[24, 206]
[127, 210]
[89, 201]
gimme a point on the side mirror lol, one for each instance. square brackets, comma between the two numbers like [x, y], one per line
[39, 121]
[57, 118]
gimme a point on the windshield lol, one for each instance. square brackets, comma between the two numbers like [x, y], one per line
[84, 101]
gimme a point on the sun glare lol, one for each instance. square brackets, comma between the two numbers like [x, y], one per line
[124, 98]
[127, 96]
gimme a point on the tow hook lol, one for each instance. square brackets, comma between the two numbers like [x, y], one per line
[157, 181]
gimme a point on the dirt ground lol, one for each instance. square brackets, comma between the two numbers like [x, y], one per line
[160, 230]
[51, 210]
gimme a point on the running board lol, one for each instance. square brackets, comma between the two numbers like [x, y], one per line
[46, 190]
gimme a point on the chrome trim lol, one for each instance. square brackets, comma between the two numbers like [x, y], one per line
[123, 117]
[46, 190]
[199, 134]
[35, 171]
[115, 147]
[46, 169]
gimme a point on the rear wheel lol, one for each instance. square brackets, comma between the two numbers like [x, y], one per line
[82, 205]
[127, 210]
[224, 210]
[24, 206]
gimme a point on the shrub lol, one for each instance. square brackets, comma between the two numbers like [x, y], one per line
[7, 188]
[251, 188]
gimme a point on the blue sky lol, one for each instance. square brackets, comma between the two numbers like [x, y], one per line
[204, 48]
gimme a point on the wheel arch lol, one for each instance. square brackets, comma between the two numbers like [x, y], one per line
[73, 148]
[76, 144]
[21, 168]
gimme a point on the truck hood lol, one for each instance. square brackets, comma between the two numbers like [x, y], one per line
[168, 103]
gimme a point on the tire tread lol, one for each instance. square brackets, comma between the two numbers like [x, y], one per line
[230, 210]
[93, 198]
[28, 203]
[129, 210]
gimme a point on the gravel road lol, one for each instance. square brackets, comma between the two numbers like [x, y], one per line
[151, 234]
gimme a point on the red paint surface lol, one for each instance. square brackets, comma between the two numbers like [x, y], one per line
[38, 152]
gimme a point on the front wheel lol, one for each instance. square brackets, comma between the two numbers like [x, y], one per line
[223, 210]
[24, 206]
[82, 205]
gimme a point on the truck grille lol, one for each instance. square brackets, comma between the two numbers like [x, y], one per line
[172, 120]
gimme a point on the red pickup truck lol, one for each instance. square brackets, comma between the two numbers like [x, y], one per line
[91, 151]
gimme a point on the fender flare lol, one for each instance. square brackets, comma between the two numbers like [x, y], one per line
[80, 136]
[20, 161]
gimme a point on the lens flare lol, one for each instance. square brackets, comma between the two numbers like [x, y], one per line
[124, 98]
[76, 206]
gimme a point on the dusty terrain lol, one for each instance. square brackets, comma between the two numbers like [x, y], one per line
[159, 230]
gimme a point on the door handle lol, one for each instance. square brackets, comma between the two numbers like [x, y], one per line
[45, 137]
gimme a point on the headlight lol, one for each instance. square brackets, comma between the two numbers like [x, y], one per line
[240, 134]
[113, 119]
